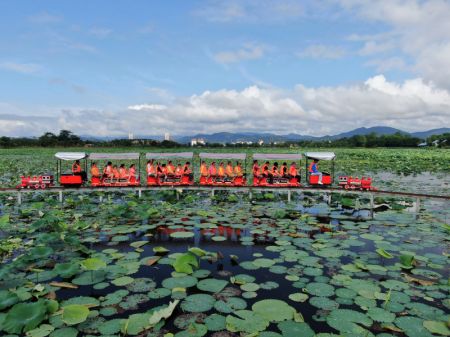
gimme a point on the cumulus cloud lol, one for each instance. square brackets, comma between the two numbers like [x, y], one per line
[23, 68]
[322, 51]
[247, 52]
[412, 105]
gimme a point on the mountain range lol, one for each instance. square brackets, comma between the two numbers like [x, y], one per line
[233, 137]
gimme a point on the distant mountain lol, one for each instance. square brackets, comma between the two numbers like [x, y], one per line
[234, 137]
[426, 134]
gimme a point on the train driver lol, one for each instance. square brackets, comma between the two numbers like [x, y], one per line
[314, 170]
[76, 170]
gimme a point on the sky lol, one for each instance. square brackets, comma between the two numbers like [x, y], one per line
[108, 68]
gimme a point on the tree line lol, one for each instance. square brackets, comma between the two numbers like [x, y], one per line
[66, 138]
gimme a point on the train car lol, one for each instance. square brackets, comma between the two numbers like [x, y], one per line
[216, 180]
[277, 181]
[105, 181]
[327, 177]
[68, 178]
[36, 182]
[160, 179]
[355, 183]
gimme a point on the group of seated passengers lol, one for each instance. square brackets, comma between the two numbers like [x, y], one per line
[222, 172]
[113, 172]
[275, 172]
[163, 171]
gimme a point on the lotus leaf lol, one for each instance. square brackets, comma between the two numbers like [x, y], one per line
[93, 264]
[320, 289]
[198, 303]
[263, 263]
[24, 317]
[162, 313]
[42, 331]
[323, 303]
[269, 285]
[140, 285]
[215, 322]
[110, 327]
[412, 326]
[211, 285]
[179, 282]
[380, 315]
[218, 238]
[348, 321]
[407, 261]
[135, 324]
[186, 263]
[246, 321]
[7, 299]
[122, 281]
[65, 332]
[39, 253]
[384, 253]
[182, 235]
[66, 270]
[159, 293]
[74, 314]
[274, 310]
[295, 329]
[230, 305]
[437, 327]
[298, 297]
[250, 287]
[160, 250]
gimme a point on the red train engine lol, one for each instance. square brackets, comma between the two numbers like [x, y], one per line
[355, 183]
[37, 182]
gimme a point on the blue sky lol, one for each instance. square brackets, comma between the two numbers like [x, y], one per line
[194, 66]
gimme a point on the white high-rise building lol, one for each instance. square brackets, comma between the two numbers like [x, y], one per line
[167, 136]
[130, 136]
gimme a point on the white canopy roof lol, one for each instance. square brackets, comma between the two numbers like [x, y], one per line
[277, 156]
[114, 156]
[208, 155]
[321, 155]
[70, 155]
[156, 155]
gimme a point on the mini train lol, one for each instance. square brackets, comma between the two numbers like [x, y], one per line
[175, 169]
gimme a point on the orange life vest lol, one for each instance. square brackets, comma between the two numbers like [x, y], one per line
[229, 170]
[275, 171]
[132, 172]
[238, 171]
[187, 169]
[179, 171]
[76, 168]
[151, 169]
[203, 170]
[221, 171]
[123, 172]
[95, 171]
[170, 169]
[255, 170]
[212, 170]
[116, 174]
[293, 171]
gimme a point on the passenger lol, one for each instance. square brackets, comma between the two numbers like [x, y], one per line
[314, 170]
[76, 170]
[238, 170]
[163, 175]
[293, 173]
[95, 172]
[170, 168]
[179, 170]
[159, 171]
[108, 171]
[212, 172]
[255, 169]
[221, 171]
[187, 170]
[274, 172]
[132, 172]
[203, 169]
[123, 173]
[151, 169]
[115, 172]
[284, 171]
[229, 170]
[266, 173]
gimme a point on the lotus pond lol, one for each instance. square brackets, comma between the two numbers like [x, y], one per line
[222, 267]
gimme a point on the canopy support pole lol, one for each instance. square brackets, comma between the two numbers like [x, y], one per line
[371, 205]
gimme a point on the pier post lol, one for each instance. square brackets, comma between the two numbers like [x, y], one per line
[60, 196]
[100, 198]
[139, 193]
[371, 205]
[19, 198]
[250, 195]
[417, 207]
[212, 192]
[329, 198]
[289, 195]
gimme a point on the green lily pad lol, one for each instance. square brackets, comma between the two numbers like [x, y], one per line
[74, 314]
[274, 310]
[211, 285]
[215, 322]
[186, 263]
[437, 327]
[24, 317]
[198, 303]
[179, 282]
[246, 321]
[122, 281]
[295, 329]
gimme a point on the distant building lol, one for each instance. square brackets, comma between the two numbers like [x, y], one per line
[167, 136]
[197, 141]
[422, 144]
[260, 142]
[130, 136]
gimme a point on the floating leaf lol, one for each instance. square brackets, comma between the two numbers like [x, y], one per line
[274, 310]
[24, 317]
[437, 327]
[164, 313]
[74, 314]
[93, 264]
[211, 285]
[198, 303]
[246, 321]
[186, 263]
[160, 250]
[384, 253]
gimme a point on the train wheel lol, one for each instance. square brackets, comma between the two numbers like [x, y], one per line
[36, 187]
[43, 186]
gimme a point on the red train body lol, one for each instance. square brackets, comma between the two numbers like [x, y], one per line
[37, 182]
[277, 182]
[355, 183]
[183, 180]
[236, 181]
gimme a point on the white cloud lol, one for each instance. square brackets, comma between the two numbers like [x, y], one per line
[387, 64]
[250, 11]
[247, 52]
[144, 107]
[321, 51]
[411, 106]
[417, 29]
[100, 32]
[23, 68]
[45, 17]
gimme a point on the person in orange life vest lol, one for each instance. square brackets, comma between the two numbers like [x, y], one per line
[108, 171]
[221, 171]
[95, 172]
[274, 173]
[115, 171]
[284, 171]
[151, 169]
[238, 170]
[203, 169]
[179, 170]
[132, 172]
[187, 170]
[163, 174]
[255, 169]
[76, 170]
[170, 169]
[293, 173]
[212, 170]
[314, 170]
[229, 170]
[123, 174]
